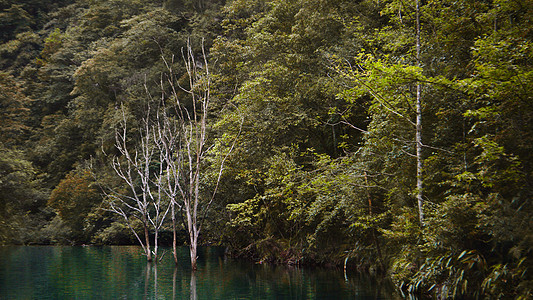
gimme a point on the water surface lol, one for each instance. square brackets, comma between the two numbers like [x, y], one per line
[121, 272]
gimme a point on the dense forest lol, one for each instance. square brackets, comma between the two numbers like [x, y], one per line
[391, 136]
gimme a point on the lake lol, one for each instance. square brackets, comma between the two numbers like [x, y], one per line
[121, 272]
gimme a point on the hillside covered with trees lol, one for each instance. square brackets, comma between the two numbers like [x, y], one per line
[390, 136]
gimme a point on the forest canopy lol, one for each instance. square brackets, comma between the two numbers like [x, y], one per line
[390, 136]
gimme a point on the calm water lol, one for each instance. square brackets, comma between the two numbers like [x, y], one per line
[122, 272]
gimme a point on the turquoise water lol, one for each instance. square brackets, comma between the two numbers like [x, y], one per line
[121, 272]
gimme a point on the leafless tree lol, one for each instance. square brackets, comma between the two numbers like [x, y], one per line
[144, 198]
[167, 142]
[165, 170]
[184, 139]
[418, 136]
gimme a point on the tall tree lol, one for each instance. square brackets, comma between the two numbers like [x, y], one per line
[144, 198]
[418, 138]
[188, 159]
[73, 198]
[14, 111]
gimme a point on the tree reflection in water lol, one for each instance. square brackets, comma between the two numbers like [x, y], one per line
[194, 295]
[123, 273]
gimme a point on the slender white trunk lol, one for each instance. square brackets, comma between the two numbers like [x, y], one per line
[147, 242]
[419, 161]
[194, 251]
[193, 238]
[174, 248]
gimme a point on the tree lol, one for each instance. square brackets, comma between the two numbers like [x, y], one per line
[272, 65]
[185, 144]
[169, 158]
[13, 20]
[14, 110]
[418, 138]
[471, 92]
[144, 198]
[73, 198]
[22, 198]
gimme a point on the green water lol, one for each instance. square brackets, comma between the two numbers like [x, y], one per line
[121, 272]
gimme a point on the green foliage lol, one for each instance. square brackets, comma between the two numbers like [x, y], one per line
[320, 96]
[14, 111]
[14, 20]
[478, 167]
[454, 275]
[272, 214]
[21, 198]
[73, 198]
[116, 233]
[17, 53]
[52, 44]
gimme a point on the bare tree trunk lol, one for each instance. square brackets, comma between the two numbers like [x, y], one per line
[147, 242]
[418, 138]
[156, 245]
[193, 236]
[184, 142]
[174, 248]
[194, 256]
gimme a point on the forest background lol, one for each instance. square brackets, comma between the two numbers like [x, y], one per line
[321, 98]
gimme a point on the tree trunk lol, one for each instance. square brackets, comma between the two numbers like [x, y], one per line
[156, 237]
[174, 248]
[147, 241]
[193, 236]
[193, 250]
[189, 147]
[419, 161]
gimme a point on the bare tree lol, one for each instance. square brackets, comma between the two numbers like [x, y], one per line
[167, 142]
[186, 147]
[143, 199]
[418, 135]
[164, 172]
